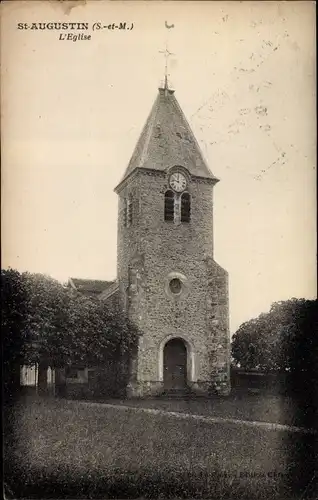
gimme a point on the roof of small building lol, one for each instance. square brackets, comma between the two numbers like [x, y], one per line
[112, 289]
[167, 140]
[90, 286]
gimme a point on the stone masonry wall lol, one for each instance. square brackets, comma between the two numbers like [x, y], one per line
[150, 253]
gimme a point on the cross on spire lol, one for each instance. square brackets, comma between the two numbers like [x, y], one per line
[167, 54]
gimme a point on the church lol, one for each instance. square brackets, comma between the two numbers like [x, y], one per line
[167, 279]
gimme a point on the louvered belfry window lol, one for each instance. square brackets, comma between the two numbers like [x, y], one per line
[169, 206]
[185, 207]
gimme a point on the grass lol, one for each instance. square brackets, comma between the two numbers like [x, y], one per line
[65, 449]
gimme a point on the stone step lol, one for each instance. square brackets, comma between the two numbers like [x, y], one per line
[176, 393]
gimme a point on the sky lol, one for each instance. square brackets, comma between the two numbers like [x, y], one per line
[244, 75]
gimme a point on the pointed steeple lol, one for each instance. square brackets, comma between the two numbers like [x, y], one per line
[167, 140]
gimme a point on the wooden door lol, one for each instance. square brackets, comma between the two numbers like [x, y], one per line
[175, 365]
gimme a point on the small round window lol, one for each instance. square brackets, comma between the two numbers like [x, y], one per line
[175, 285]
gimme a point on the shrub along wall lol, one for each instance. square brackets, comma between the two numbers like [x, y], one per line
[249, 381]
[107, 381]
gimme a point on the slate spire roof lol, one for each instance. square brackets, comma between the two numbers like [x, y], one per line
[167, 140]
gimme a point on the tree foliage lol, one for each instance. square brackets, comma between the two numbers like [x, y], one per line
[284, 339]
[44, 320]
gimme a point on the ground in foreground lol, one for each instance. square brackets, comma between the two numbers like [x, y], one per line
[67, 449]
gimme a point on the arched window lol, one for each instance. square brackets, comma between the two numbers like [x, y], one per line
[185, 207]
[125, 212]
[169, 206]
[128, 216]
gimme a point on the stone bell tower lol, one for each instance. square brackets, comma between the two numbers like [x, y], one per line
[169, 283]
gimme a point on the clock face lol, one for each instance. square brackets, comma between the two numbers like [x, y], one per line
[178, 182]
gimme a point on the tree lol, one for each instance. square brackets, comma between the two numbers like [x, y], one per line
[13, 330]
[284, 339]
[47, 323]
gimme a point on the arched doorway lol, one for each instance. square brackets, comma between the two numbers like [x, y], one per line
[175, 365]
